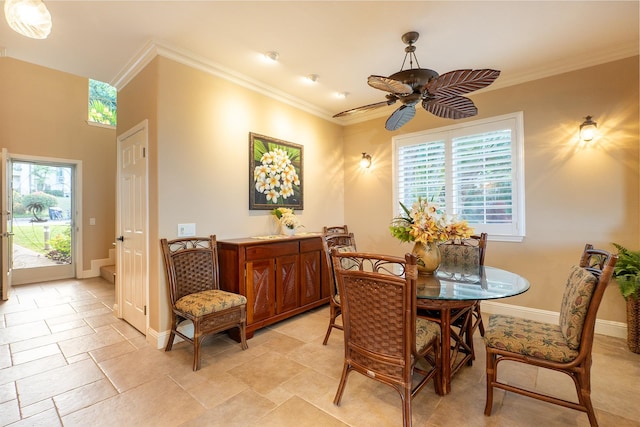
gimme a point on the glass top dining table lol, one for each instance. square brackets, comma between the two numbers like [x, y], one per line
[471, 283]
[449, 297]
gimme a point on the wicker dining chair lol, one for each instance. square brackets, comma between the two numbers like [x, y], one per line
[191, 267]
[335, 229]
[383, 338]
[564, 347]
[467, 253]
[345, 242]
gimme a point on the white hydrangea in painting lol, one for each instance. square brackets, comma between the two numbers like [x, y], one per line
[275, 176]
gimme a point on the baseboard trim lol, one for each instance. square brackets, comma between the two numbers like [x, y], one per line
[603, 327]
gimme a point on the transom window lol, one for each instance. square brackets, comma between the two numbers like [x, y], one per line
[474, 171]
[102, 103]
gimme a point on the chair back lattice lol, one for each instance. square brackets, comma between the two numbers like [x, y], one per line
[379, 311]
[347, 241]
[335, 229]
[191, 265]
[464, 252]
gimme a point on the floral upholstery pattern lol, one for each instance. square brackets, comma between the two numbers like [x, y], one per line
[346, 263]
[460, 255]
[426, 330]
[528, 337]
[575, 303]
[206, 302]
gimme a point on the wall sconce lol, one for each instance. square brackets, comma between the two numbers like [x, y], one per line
[365, 161]
[588, 129]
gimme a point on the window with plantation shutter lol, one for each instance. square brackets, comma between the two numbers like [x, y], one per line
[473, 171]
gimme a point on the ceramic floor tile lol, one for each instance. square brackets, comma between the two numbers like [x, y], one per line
[28, 369]
[160, 402]
[84, 396]
[51, 338]
[31, 316]
[300, 413]
[23, 332]
[36, 408]
[86, 343]
[9, 412]
[57, 381]
[267, 372]
[35, 353]
[242, 410]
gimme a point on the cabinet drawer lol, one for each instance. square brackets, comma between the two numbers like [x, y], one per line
[271, 250]
[308, 245]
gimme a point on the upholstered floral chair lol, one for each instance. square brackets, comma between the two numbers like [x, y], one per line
[191, 267]
[564, 347]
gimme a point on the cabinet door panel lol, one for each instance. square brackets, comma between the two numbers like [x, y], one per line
[310, 281]
[261, 290]
[288, 290]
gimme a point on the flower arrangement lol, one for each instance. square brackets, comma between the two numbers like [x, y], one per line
[287, 218]
[276, 176]
[425, 223]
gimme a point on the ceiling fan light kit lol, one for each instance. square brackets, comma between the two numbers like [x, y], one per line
[31, 18]
[441, 95]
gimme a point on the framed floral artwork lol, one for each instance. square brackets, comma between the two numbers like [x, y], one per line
[275, 173]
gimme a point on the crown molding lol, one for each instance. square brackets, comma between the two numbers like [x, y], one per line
[153, 48]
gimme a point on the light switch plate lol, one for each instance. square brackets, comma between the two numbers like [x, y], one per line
[186, 230]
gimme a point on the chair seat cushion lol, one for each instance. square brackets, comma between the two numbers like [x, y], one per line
[211, 301]
[529, 338]
[426, 330]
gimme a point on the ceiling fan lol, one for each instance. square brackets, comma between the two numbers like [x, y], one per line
[439, 94]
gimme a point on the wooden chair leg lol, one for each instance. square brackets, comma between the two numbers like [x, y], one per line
[172, 334]
[334, 313]
[491, 377]
[406, 407]
[343, 383]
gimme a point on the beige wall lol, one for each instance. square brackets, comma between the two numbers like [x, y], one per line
[202, 153]
[43, 113]
[573, 196]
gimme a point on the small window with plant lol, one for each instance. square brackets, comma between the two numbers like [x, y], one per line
[102, 103]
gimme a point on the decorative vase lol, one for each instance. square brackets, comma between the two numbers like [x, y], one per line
[428, 257]
[288, 231]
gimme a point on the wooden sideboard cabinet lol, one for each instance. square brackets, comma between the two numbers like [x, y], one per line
[280, 277]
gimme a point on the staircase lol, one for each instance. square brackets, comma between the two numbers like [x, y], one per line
[108, 273]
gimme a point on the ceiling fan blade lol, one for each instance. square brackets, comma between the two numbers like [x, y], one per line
[453, 107]
[399, 117]
[389, 101]
[389, 85]
[459, 82]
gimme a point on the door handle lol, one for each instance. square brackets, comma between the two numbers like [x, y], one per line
[120, 238]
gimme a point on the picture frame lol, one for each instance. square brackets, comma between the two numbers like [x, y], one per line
[275, 173]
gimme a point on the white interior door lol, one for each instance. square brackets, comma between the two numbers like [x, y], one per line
[6, 229]
[132, 266]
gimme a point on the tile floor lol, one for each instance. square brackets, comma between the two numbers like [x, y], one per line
[66, 360]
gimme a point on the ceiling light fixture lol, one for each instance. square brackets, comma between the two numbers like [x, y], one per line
[272, 56]
[30, 18]
[313, 78]
[588, 129]
[342, 95]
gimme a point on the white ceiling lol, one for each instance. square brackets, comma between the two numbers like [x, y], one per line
[342, 41]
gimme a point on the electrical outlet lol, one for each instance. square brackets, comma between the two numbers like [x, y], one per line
[186, 230]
